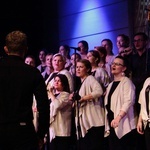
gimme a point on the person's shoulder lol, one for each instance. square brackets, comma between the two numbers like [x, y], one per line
[90, 78]
[101, 70]
[147, 80]
[65, 72]
[32, 69]
[127, 80]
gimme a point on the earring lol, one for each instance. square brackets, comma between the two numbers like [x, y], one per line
[123, 74]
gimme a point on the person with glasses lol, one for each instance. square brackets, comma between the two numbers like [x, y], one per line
[140, 63]
[119, 101]
[140, 68]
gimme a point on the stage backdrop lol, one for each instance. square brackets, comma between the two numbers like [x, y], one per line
[92, 20]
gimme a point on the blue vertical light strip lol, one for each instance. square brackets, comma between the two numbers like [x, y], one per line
[90, 23]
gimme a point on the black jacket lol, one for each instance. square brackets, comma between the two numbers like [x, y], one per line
[18, 83]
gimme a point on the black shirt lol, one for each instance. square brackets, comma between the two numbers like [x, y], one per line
[18, 83]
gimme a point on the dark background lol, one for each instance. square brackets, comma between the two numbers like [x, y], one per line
[37, 18]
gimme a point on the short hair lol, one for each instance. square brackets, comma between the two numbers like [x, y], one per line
[145, 37]
[96, 55]
[16, 42]
[87, 64]
[64, 81]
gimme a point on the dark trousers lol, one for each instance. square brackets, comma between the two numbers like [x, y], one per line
[147, 137]
[18, 137]
[93, 140]
[127, 142]
[60, 143]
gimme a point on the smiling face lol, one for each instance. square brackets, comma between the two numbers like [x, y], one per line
[117, 67]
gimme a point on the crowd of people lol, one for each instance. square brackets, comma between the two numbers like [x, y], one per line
[89, 100]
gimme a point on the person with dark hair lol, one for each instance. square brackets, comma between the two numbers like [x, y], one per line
[99, 73]
[60, 114]
[18, 83]
[140, 63]
[107, 43]
[123, 44]
[84, 47]
[89, 110]
[140, 67]
[64, 50]
[75, 57]
[30, 60]
[120, 115]
[42, 56]
[58, 63]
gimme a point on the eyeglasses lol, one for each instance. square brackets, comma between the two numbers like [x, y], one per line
[117, 64]
[139, 40]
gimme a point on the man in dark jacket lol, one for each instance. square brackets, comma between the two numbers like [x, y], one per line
[18, 83]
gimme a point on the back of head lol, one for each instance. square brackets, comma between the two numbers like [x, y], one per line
[16, 43]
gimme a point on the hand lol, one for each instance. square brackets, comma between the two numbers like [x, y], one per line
[115, 122]
[125, 51]
[71, 96]
[81, 100]
[51, 89]
[34, 109]
[140, 127]
[40, 144]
